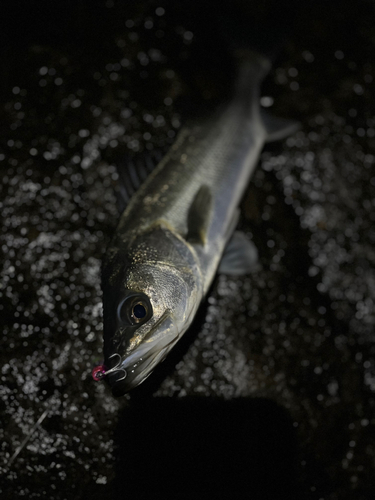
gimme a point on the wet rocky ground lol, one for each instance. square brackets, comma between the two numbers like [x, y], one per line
[272, 390]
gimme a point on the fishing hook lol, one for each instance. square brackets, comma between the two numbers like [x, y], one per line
[99, 372]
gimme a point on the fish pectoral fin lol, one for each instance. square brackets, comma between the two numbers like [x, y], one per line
[240, 256]
[278, 128]
[199, 216]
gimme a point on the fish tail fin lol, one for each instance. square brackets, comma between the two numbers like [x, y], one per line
[255, 33]
[260, 27]
[250, 64]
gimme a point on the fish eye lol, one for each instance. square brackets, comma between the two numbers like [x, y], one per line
[134, 310]
[139, 311]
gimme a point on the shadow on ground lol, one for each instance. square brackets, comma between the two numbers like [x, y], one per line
[204, 448]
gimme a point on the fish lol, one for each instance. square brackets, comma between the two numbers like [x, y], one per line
[178, 230]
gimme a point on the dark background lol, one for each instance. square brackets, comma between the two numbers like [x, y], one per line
[270, 395]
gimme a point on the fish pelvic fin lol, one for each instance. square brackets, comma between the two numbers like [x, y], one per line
[199, 216]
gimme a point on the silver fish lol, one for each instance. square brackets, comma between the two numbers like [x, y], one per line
[178, 229]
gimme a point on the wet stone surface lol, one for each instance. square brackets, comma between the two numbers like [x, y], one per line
[294, 341]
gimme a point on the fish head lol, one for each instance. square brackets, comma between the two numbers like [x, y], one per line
[146, 310]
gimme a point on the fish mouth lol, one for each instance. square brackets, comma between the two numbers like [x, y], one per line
[131, 371]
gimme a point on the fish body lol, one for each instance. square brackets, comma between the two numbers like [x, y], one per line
[172, 235]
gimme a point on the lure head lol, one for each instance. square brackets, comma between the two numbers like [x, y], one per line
[151, 291]
[98, 373]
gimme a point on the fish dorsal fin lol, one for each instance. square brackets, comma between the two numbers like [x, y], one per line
[240, 256]
[132, 173]
[278, 128]
[199, 216]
